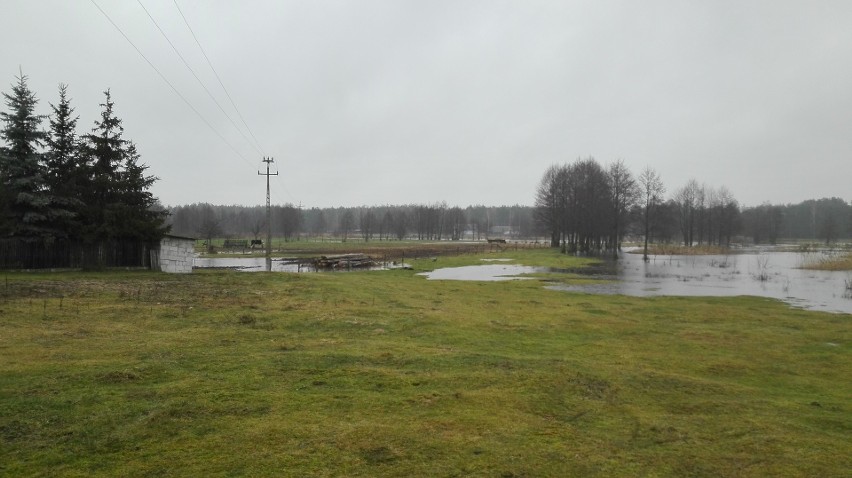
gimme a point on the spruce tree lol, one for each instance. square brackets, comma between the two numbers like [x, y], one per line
[139, 217]
[103, 153]
[65, 175]
[27, 206]
[119, 204]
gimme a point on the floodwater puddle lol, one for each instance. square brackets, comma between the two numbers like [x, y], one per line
[245, 264]
[759, 272]
[486, 272]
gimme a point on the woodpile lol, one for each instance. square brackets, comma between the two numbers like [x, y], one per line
[344, 261]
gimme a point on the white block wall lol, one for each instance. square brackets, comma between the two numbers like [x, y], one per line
[176, 255]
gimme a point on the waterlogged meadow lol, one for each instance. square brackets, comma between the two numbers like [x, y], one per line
[386, 373]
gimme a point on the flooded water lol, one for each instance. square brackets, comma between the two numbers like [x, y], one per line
[258, 264]
[490, 272]
[245, 264]
[762, 273]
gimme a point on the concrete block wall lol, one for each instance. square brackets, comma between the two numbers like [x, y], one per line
[176, 255]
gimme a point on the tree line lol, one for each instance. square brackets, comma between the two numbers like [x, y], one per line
[581, 206]
[436, 221]
[826, 219]
[56, 184]
[586, 207]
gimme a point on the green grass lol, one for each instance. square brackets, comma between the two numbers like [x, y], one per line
[388, 374]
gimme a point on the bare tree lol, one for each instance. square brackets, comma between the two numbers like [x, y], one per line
[288, 218]
[347, 221]
[386, 225]
[548, 211]
[587, 211]
[584, 206]
[764, 222]
[210, 227]
[367, 222]
[728, 217]
[256, 228]
[652, 190]
[688, 199]
[400, 225]
[829, 218]
[319, 224]
[623, 193]
[456, 223]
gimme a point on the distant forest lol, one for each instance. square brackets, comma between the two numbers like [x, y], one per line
[825, 220]
[424, 222]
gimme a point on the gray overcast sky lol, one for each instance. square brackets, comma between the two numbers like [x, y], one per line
[375, 102]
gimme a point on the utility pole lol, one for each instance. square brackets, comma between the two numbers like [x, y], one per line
[268, 161]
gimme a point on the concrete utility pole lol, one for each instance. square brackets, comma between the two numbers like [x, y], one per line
[268, 161]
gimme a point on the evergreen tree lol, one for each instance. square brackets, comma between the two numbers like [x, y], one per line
[119, 204]
[27, 206]
[139, 216]
[65, 174]
[103, 151]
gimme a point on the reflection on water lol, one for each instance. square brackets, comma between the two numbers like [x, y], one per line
[258, 264]
[491, 272]
[765, 274]
[759, 273]
[246, 264]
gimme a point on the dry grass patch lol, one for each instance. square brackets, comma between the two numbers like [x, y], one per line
[831, 262]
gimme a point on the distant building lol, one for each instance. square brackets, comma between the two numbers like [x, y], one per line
[174, 255]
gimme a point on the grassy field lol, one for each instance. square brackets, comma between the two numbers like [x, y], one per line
[387, 374]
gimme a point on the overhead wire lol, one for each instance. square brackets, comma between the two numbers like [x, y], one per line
[174, 89]
[209, 63]
[186, 64]
[278, 180]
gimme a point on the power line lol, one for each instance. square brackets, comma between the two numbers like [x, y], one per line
[170, 84]
[186, 64]
[287, 191]
[217, 75]
[268, 161]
